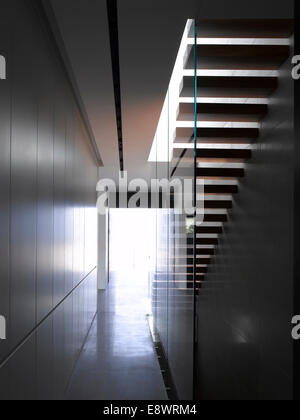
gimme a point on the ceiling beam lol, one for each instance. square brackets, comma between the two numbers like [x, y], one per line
[112, 13]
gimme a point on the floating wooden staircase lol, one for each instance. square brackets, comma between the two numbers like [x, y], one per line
[229, 108]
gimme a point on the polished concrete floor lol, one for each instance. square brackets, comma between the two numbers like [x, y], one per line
[118, 361]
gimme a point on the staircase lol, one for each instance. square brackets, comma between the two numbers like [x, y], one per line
[237, 63]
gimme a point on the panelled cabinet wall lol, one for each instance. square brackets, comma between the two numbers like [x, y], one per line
[47, 218]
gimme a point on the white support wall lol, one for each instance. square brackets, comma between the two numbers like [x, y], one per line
[103, 249]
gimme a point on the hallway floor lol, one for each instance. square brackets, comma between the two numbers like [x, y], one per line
[118, 361]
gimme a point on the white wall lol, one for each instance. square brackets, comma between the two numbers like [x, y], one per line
[103, 247]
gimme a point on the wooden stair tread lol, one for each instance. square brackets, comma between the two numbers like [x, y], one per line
[220, 172]
[220, 189]
[202, 241]
[215, 218]
[217, 135]
[238, 57]
[190, 261]
[240, 154]
[209, 229]
[224, 153]
[222, 112]
[217, 204]
[190, 270]
[228, 86]
[210, 173]
[200, 251]
[243, 28]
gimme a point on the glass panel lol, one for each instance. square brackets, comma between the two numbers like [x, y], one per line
[173, 283]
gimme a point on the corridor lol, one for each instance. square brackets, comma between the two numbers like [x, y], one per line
[118, 360]
[148, 211]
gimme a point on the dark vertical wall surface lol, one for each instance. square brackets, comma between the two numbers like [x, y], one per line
[246, 303]
[48, 176]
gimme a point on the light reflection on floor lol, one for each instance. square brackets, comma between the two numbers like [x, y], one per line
[118, 360]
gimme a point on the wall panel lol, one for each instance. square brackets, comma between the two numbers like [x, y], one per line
[59, 191]
[69, 197]
[45, 191]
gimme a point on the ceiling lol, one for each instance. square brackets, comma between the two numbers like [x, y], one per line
[149, 38]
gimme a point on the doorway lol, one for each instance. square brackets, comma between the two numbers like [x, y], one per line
[132, 249]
